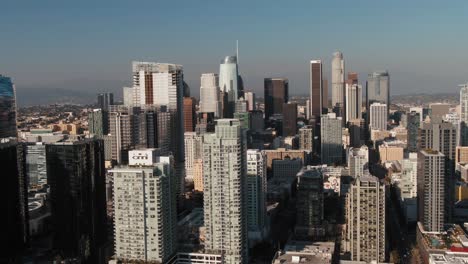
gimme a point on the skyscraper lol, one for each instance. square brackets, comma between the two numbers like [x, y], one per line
[289, 119]
[413, 119]
[190, 118]
[7, 108]
[358, 161]
[209, 94]
[431, 190]
[309, 205]
[128, 96]
[276, 94]
[338, 72]
[331, 139]
[145, 208]
[353, 101]
[316, 89]
[256, 194]
[98, 122]
[378, 88]
[193, 152]
[378, 116]
[104, 100]
[306, 138]
[228, 83]
[251, 101]
[365, 214]
[352, 78]
[463, 127]
[14, 225]
[224, 179]
[76, 175]
[36, 169]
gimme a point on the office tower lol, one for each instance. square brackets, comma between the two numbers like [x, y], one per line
[104, 100]
[316, 89]
[358, 161]
[356, 128]
[257, 123]
[438, 111]
[378, 88]
[193, 152]
[285, 170]
[14, 225]
[98, 122]
[128, 96]
[209, 94]
[331, 139]
[241, 106]
[365, 213]
[190, 118]
[276, 94]
[205, 123]
[224, 199]
[413, 124]
[431, 190]
[244, 118]
[309, 205]
[325, 96]
[198, 175]
[36, 169]
[121, 124]
[251, 101]
[228, 83]
[76, 176]
[289, 119]
[441, 137]
[256, 194]
[338, 73]
[420, 111]
[306, 138]
[461, 155]
[353, 101]
[378, 116]
[7, 108]
[464, 103]
[145, 208]
[352, 78]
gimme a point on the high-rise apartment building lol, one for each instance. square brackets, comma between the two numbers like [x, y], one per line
[289, 119]
[338, 72]
[353, 101]
[316, 89]
[229, 83]
[441, 137]
[145, 208]
[98, 122]
[256, 194]
[358, 161]
[413, 124]
[190, 117]
[209, 94]
[365, 213]
[309, 204]
[36, 169]
[408, 187]
[276, 95]
[464, 103]
[197, 172]
[76, 176]
[438, 111]
[193, 152]
[356, 128]
[331, 139]
[128, 96]
[224, 194]
[7, 108]
[104, 100]
[378, 116]
[431, 190]
[251, 101]
[121, 125]
[14, 225]
[306, 138]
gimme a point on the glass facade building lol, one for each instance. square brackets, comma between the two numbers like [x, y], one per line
[7, 108]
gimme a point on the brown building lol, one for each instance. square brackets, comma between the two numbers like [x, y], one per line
[289, 119]
[198, 175]
[316, 89]
[276, 94]
[352, 78]
[390, 153]
[461, 155]
[190, 118]
[282, 153]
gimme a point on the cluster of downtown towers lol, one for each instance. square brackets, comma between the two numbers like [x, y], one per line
[156, 137]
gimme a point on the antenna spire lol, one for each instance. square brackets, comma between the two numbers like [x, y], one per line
[237, 51]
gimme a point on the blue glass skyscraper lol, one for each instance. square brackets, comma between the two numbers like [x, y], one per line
[7, 108]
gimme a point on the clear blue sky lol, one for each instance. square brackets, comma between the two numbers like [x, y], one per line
[89, 45]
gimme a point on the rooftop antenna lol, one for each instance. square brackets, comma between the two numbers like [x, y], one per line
[237, 51]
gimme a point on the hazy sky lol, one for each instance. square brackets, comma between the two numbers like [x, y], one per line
[89, 45]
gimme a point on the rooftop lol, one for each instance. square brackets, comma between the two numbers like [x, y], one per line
[306, 252]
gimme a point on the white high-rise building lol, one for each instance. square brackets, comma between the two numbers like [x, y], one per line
[224, 197]
[256, 194]
[331, 139]
[251, 101]
[358, 160]
[128, 96]
[353, 101]
[209, 94]
[228, 81]
[365, 214]
[464, 103]
[145, 208]
[431, 190]
[193, 152]
[338, 72]
[407, 187]
[378, 117]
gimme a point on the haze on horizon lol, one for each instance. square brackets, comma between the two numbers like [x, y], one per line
[86, 47]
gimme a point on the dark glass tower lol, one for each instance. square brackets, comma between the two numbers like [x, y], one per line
[76, 175]
[7, 108]
[276, 94]
[104, 100]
